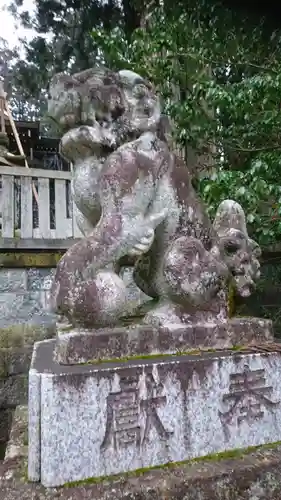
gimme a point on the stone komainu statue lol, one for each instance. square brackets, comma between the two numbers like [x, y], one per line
[133, 198]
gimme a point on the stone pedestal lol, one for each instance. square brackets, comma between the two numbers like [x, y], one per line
[101, 419]
[78, 345]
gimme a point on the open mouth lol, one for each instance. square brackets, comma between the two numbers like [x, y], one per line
[245, 291]
[100, 135]
[244, 287]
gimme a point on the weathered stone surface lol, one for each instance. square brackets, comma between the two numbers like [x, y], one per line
[134, 199]
[24, 296]
[81, 346]
[18, 440]
[135, 295]
[16, 347]
[13, 391]
[25, 279]
[11, 304]
[39, 279]
[91, 421]
[12, 280]
[248, 475]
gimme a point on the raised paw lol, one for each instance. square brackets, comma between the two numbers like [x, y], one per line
[143, 245]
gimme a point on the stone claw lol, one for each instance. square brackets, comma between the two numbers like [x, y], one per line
[144, 244]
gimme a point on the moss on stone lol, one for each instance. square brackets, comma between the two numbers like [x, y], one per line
[25, 438]
[237, 348]
[22, 473]
[66, 329]
[11, 337]
[2, 450]
[30, 259]
[22, 335]
[137, 357]
[231, 301]
[4, 371]
[215, 457]
[191, 352]
[137, 312]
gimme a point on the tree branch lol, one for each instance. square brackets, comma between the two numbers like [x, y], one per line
[242, 149]
[228, 63]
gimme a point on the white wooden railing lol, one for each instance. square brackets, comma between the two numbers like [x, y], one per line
[21, 216]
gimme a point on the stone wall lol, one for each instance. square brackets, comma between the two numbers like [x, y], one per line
[16, 346]
[24, 294]
[25, 282]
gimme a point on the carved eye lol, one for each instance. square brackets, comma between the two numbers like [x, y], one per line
[146, 109]
[117, 112]
[107, 80]
[231, 247]
[69, 84]
[140, 91]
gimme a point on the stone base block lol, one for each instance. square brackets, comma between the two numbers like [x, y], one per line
[76, 345]
[99, 420]
[251, 474]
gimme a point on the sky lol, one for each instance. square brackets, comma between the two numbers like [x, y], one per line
[8, 29]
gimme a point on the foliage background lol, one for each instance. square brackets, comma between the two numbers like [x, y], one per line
[219, 72]
[217, 69]
[220, 78]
